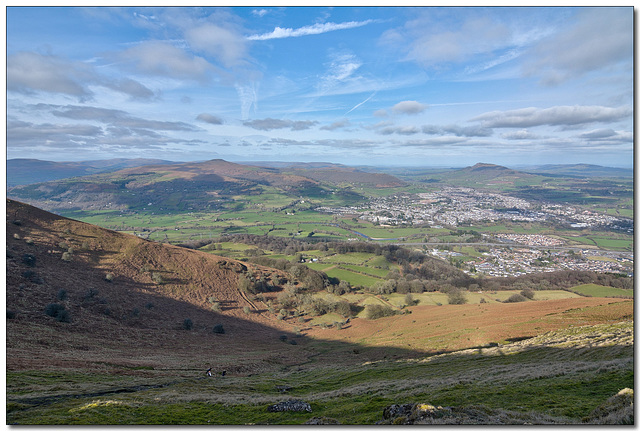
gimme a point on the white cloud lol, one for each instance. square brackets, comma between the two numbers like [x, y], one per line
[554, 116]
[519, 135]
[272, 123]
[606, 135]
[29, 72]
[469, 131]
[117, 117]
[340, 124]
[248, 94]
[601, 37]
[431, 43]
[281, 33]
[399, 130]
[223, 44]
[259, 12]
[435, 142]
[165, 59]
[408, 107]
[340, 68]
[208, 118]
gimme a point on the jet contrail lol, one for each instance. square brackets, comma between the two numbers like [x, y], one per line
[361, 103]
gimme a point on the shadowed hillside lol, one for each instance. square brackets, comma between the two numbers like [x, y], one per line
[119, 292]
[126, 299]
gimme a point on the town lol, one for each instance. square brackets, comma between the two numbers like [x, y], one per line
[516, 261]
[461, 206]
[516, 254]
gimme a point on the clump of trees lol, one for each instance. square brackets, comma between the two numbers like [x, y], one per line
[456, 296]
[516, 297]
[376, 311]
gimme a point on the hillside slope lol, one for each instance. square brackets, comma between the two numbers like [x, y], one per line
[123, 294]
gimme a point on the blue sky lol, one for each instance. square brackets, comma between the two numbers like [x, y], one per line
[425, 86]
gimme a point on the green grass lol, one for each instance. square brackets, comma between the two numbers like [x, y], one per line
[319, 266]
[602, 291]
[553, 379]
[352, 258]
[611, 243]
[354, 278]
[377, 272]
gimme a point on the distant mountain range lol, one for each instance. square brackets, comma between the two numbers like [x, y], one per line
[198, 185]
[579, 170]
[127, 184]
[31, 171]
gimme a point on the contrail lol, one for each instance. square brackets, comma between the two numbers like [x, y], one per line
[361, 103]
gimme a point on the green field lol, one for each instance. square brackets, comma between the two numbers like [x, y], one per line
[377, 272]
[352, 258]
[602, 291]
[353, 278]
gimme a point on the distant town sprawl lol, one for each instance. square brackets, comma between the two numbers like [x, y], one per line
[455, 206]
[526, 253]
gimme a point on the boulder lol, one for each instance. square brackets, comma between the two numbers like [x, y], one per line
[290, 406]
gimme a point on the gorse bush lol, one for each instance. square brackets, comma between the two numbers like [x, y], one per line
[29, 259]
[58, 311]
[187, 324]
[409, 300]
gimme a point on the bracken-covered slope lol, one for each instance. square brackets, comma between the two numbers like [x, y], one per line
[124, 297]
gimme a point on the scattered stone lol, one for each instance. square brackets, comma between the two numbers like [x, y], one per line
[290, 406]
[322, 421]
[401, 414]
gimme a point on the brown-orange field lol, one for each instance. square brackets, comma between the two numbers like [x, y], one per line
[442, 328]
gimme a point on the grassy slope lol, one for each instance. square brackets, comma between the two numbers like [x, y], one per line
[564, 374]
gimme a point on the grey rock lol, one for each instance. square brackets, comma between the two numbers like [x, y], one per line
[290, 406]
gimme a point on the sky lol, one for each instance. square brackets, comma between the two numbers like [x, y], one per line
[361, 85]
